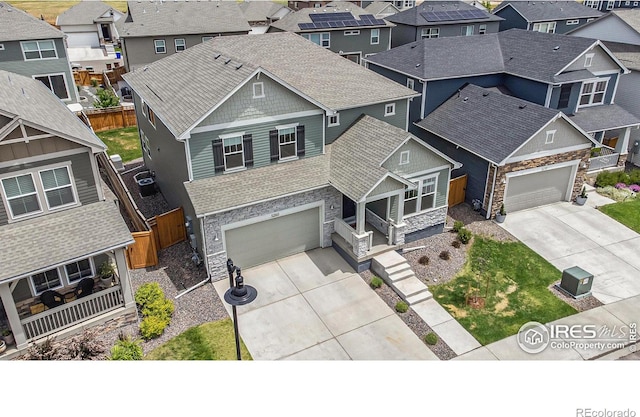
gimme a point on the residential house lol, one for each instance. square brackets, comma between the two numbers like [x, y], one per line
[398, 4]
[577, 76]
[439, 19]
[340, 27]
[34, 48]
[152, 30]
[608, 5]
[274, 146]
[544, 16]
[299, 5]
[381, 9]
[56, 226]
[91, 34]
[260, 14]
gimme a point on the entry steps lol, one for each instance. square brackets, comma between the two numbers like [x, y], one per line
[394, 269]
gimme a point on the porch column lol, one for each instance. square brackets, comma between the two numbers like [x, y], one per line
[125, 283]
[12, 316]
[400, 208]
[360, 218]
[622, 146]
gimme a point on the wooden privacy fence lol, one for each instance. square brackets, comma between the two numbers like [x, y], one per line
[167, 229]
[457, 189]
[115, 74]
[143, 252]
[84, 77]
[111, 118]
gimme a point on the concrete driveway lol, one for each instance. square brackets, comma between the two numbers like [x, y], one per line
[567, 235]
[313, 306]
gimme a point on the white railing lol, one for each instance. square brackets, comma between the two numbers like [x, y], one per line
[66, 315]
[344, 230]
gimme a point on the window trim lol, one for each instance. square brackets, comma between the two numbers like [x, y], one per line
[464, 30]
[241, 151]
[91, 265]
[151, 115]
[321, 38]
[377, 36]
[410, 83]
[404, 157]
[549, 26]
[256, 84]
[353, 32]
[336, 123]
[611, 4]
[1, 46]
[155, 46]
[64, 78]
[293, 126]
[146, 144]
[55, 50]
[482, 29]
[572, 22]
[550, 135]
[593, 93]
[5, 198]
[419, 182]
[71, 184]
[588, 60]
[184, 44]
[389, 109]
[207, 38]
[32, 284]
[430, 35]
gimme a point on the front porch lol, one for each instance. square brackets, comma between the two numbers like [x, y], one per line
[377, 243]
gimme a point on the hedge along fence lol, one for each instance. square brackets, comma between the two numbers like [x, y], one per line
[156, 310]
[111, 118]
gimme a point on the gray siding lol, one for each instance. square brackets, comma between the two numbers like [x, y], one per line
[566, 135]
[200, 144]
[628, 92]
[512, 19]
[19, 150]
[415, 105]
[439, 91]
[562, 27]
[386, 186]
[420, 159]
[554, 102]
[609, 28]
[601, 62]
[529, 90]
[348, 116]
[403, 34]
[359, 43]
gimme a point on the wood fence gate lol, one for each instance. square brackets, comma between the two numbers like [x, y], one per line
[143, 252]
[457, 188]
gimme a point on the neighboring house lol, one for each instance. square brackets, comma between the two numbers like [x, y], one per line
[381, 9]
[608, 5]
[274, 145]
[341, 27]
[544, 16]
[153, 30]
[440, 19]
[260, 14]
[34, 48]
[513, 151]
[577, 76]
[56, 227]
[398, 4]
[299, 5]
[91, 34]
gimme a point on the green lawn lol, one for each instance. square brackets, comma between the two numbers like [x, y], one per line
[514, 280]
[627, 213]
[124, 142]
[209, 341]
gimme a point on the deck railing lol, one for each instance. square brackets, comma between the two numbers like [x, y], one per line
[66, 315]
[344, 230]
[607, 157]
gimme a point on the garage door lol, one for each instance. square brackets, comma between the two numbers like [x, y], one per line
[538, 188]
[269, 240]
[85, 39]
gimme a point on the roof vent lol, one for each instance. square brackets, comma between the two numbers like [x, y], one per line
[227, 61]
[486, 93]
[145, 68]
[464, 100]
[217, 56]
[413, 46]
[555, 48]
[238, 67]
[522, 106]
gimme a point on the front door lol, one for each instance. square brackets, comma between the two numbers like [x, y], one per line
[106, 33]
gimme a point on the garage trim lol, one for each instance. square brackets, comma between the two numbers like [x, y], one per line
[572, 181]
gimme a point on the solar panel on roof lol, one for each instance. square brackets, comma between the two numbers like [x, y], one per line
[330, 17]
[306, 26]
[453, 15]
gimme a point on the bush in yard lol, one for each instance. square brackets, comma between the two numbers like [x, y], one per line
[457, 225]
[431, 338]
[376, 282]
[445, 255]
[464, 235]
[608, 178]
[148, 293]
[424, 260]
[152, 327]
[621, 194]
[402, 307]
[635, 188]
[106, 98]
[634, 176]
[126, 349]
[456, 244]
[162, 308]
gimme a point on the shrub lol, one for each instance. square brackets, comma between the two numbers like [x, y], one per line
[635, 188]
[457, 225]
[85, 346]
[126, 349]
[611, 178]
[402, 307]
[424, 260]
[616, 194]
[456, 244]
[106, 98]
[148, 293]
[464, 235]
[431, 338]
[376, 282]
[621, 185]
[445, 255]
[45, 351]
[634, 176]
[94, 82]
[162, 308]
[152, 327]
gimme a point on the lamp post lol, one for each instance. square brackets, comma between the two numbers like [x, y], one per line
[230, 269]
[238, 295]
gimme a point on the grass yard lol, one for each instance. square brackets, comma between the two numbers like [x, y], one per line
[124, 142]
[513, 279]
[209, 341]
[51, 9]
[627, 213]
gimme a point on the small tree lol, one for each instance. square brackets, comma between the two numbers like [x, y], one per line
[106, 98]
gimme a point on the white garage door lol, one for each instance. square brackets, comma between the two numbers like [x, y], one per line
[269, 240]
[538, 188]
[83, 39]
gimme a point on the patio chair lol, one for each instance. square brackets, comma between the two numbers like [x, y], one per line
[51, 298]
[84, 288]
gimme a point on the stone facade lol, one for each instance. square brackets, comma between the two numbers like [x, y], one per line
[622, 160]
[487, 190]
[216, 256]
[498, 193]
[399, 233]
[424, 220]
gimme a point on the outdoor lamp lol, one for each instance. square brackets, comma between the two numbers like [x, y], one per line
[238, 295]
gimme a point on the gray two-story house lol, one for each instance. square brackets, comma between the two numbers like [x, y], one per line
[153, 30]
[608, 5]
[275, 145]
[57, 227]
[440, 19]
[34, 48]
[544, 16]
[341, 27]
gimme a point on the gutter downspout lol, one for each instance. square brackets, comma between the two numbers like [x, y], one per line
[493, 187]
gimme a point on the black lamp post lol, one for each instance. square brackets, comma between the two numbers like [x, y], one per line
[230, 269]
[239, 295]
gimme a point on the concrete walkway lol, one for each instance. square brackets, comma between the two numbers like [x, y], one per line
[313, 306]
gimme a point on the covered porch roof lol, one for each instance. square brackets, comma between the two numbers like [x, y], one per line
[599, 118]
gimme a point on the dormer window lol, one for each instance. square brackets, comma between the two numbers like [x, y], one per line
[588, 60]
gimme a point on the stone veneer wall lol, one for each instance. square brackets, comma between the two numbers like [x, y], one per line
[216, 256]
[487, 191]
[376, 221]
[425, 220]
[583, 155]
[622, 159]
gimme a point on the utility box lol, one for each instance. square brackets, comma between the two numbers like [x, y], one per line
[117, 162]
[576, 282]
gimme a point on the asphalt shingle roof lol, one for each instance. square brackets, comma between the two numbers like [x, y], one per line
[413, 16]
[16, 25]
[30, 100]
[83, 13]
[486, 123]
[597, 118]
[544, 11]
[628, 54]
[70, 234]
[181, 18]
[379, 6]
[631, 17]
[529, 54]
[256, 11]
[322, 75]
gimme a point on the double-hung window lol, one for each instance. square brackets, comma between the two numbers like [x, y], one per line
[146, 145]
[482, 29]
[160, 46]
[333, 120]
[80, 269]
[180, 45]
[22, 197]
[546, 27]
[47, 280]
[467, 30]
[39, 50]
[322, 39]
[430, 33]
[592, 93]
[375, 36]
[56, 83]
[389, 109]
[287, 142]
[233, 152]
[57, 187]
[588, 60]
[423, 197]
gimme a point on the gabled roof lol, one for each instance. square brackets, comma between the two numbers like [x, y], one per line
[377, 7]
[202, 82]
[291, 21]
[32, 102]
[546, 11]
[415, 16]
[257, 11]
[631, 17]
[528, 54]
[17, 25]
[85, 13]
[161, 18]
[607, 117]
[486, 123]
[70, 234]
[628, 54]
